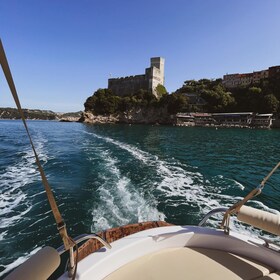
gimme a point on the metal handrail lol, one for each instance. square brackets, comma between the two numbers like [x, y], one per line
[84, 237]
[211, 213]
[70, 264]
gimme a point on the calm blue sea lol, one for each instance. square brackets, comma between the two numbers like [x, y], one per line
[110, 175]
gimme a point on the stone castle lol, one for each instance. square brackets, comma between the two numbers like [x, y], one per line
[154, 75]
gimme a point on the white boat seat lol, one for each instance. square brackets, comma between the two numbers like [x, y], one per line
[191, 263]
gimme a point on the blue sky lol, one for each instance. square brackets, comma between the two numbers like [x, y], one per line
[61, 51]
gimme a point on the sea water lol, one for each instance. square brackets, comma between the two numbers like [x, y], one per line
[105, 176]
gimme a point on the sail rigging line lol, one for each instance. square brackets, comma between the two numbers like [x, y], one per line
[236, 207]
[61, 226]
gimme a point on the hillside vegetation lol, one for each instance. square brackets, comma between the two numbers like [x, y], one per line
[262, 98]
[104, 102]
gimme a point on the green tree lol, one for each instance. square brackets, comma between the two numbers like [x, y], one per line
[254, 98]
[102, 102]
[160, 90]
[270, 104]
[175, 103]
[218, 100]
[255, 91]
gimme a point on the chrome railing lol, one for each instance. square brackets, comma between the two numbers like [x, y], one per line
[211, 213]
[70, 264]
[84, 237]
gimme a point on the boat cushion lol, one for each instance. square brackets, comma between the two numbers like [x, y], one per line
[261, 219]
[191, 263]
[40, 266]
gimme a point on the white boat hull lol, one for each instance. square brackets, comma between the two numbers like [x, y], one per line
[128, 249]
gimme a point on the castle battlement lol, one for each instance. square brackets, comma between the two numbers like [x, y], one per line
[129, 85]
[126, 78]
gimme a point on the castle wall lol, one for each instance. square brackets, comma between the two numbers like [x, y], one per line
[128, 85]
[148, 81]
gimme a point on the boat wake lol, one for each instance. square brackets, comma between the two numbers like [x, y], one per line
[120, 202]
[16, 202]
[12, 183]
[175, 185]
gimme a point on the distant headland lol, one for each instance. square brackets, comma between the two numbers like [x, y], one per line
[35, 114]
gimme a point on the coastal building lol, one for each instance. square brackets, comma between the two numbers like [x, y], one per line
[203, 119]
[237, 80]
[243, 119]
[262, 120]
[274, 71]
[194, 119]
[233, 119]
[185, 119]
[245, 79]
[154, 75]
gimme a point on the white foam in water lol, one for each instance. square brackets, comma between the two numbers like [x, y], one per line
[13, 195]
[2, 235]
[12, 182]
[19, 261]
[120, 201]
[232, 182]
[176, 181]
[138, 154]
[189, 186]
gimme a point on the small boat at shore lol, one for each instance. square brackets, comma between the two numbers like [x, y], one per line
[157, 249]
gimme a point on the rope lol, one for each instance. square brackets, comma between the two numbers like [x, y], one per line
[61, 226]
[269, 175]
[236, 207]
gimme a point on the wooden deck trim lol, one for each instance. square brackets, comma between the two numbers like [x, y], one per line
[113, 234]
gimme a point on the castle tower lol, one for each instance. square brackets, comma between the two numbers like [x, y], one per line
[156, 73]
[158, 62]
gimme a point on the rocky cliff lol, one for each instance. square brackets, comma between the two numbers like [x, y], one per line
[69, 117]
[133, 116]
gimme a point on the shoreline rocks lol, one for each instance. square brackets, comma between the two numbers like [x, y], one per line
[88, 117]
[135, 116]
[155, 117]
